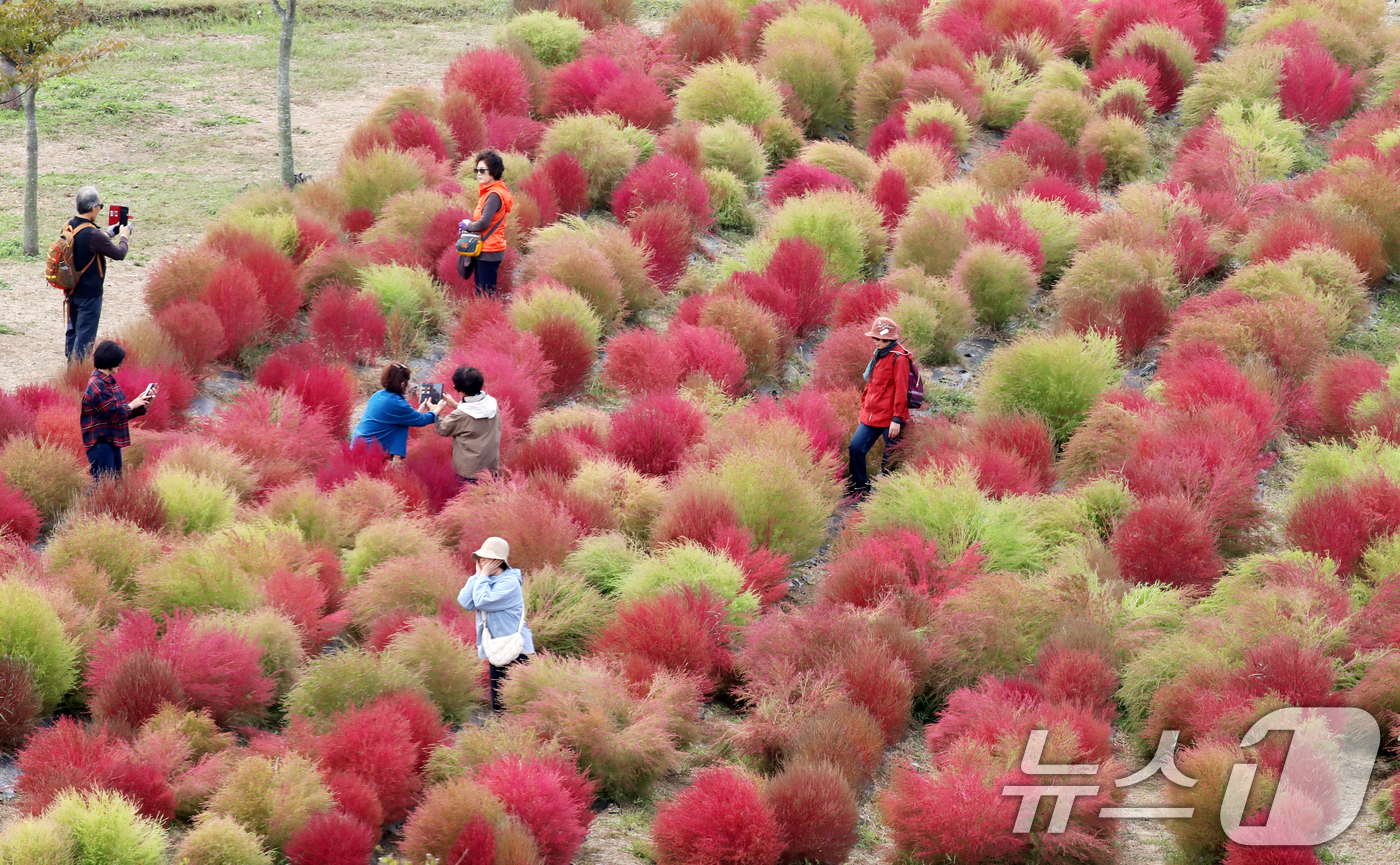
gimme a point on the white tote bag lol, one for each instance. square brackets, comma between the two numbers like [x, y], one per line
[502, 650]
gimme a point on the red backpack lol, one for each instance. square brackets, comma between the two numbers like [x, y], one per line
[59, 269]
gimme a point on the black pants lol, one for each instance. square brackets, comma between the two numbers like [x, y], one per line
[83, 315]
[483, 271]
[497, 674]
[104, 458]
[857, 479]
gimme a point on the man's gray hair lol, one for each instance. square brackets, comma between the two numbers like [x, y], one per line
[88, 199]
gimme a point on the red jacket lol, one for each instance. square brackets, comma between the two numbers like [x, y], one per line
[886, 395]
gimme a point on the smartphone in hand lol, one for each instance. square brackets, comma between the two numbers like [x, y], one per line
[430, 393]
[149, 392]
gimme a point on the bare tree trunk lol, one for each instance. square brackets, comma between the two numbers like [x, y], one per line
[288, 14]
[31, 173]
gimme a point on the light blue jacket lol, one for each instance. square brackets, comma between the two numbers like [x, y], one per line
[499, 602]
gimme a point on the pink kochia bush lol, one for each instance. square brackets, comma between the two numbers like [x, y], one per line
[1341, 521]
[684, 631]
[721, 818]
[1167, 523]
[663, 179]
[549, 796]
[67, 756]
[332, 838]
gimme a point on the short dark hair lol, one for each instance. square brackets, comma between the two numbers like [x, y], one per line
[468, 380]
[395, 378]
[495, 165]
[108, 355]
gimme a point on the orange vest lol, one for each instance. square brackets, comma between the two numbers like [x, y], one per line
[497, 241]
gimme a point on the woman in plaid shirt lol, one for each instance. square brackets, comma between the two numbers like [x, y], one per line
[106, 411]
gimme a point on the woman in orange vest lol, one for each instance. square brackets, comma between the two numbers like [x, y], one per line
[489, 219]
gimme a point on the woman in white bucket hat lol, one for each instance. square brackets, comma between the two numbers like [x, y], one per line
[496, 592]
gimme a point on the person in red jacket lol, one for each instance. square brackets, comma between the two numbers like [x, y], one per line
[884, 404]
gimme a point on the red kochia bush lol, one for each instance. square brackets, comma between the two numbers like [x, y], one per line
[302, 598]
[215, 669]
[276, 277]
[640, 361]
[195, 329]
[706, 30]
[1006, 226]
[861, 303]
[712, 352]
[325, 388]
[465, 120]
[653, 432]
[1167, 540]
[637, 99]
[1025, 436]
[1340, 522]
[1314, 89]
[175, 393]
[347, 324]
[816, 813]
[514, 133]
[535, 793]
[799, 268]
[312, 235]
[574, 86]
[65, 756]
[20, 699]
[663, 178]
[414, 129]
[959, 814]
[1338, 384]
[332, 838]
[664, 230]
[18, 516]
[721, 818]
[494, 77]
[841, 358]
[797, 178]
[1197, 375]
[891, 194]
[567, 180]
[684, 631]
[1043, 147]
[233, 294]
[376, 743]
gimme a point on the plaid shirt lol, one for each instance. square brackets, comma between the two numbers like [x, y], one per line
[105, 412]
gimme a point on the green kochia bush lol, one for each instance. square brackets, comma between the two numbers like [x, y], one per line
[603, 560]
[194, 503]
[445, 663]
[564, 611]
[603, 147]
[408, 293]
[273, 797]
[104, 828]
[728, 88]
[218, 840]
[623, 742]
[818, 50]
[35, 841]
[552, 39]
[334, 683]
[31, 632]
[730, 200]
[115, 547]
[51, 476]
[949, 508]
[732, 146]
[997, 280]
[1056, 377]
[846, 225]
[689, 564]
[366, 182]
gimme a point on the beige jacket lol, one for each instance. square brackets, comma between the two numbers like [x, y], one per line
[475, 427]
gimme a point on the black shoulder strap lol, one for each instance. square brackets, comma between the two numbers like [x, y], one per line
[95, 257]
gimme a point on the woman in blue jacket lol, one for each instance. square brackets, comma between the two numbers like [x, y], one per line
[496, 592]
[388, 415]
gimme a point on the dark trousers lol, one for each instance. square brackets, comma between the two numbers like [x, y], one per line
[497, 674]
[83, 315]
[483, 271]
[857, 479]
[104, 458]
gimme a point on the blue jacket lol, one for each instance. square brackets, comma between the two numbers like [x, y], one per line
[387, 419]
[500, 603]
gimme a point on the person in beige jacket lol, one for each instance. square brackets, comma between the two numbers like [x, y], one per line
[474, 423]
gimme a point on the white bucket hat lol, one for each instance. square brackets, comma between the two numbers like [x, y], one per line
[495, 548]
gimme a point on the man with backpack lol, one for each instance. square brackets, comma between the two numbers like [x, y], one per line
[884, 404]
[78, 265]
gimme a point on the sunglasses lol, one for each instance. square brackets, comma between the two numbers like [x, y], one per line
[482, 170]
